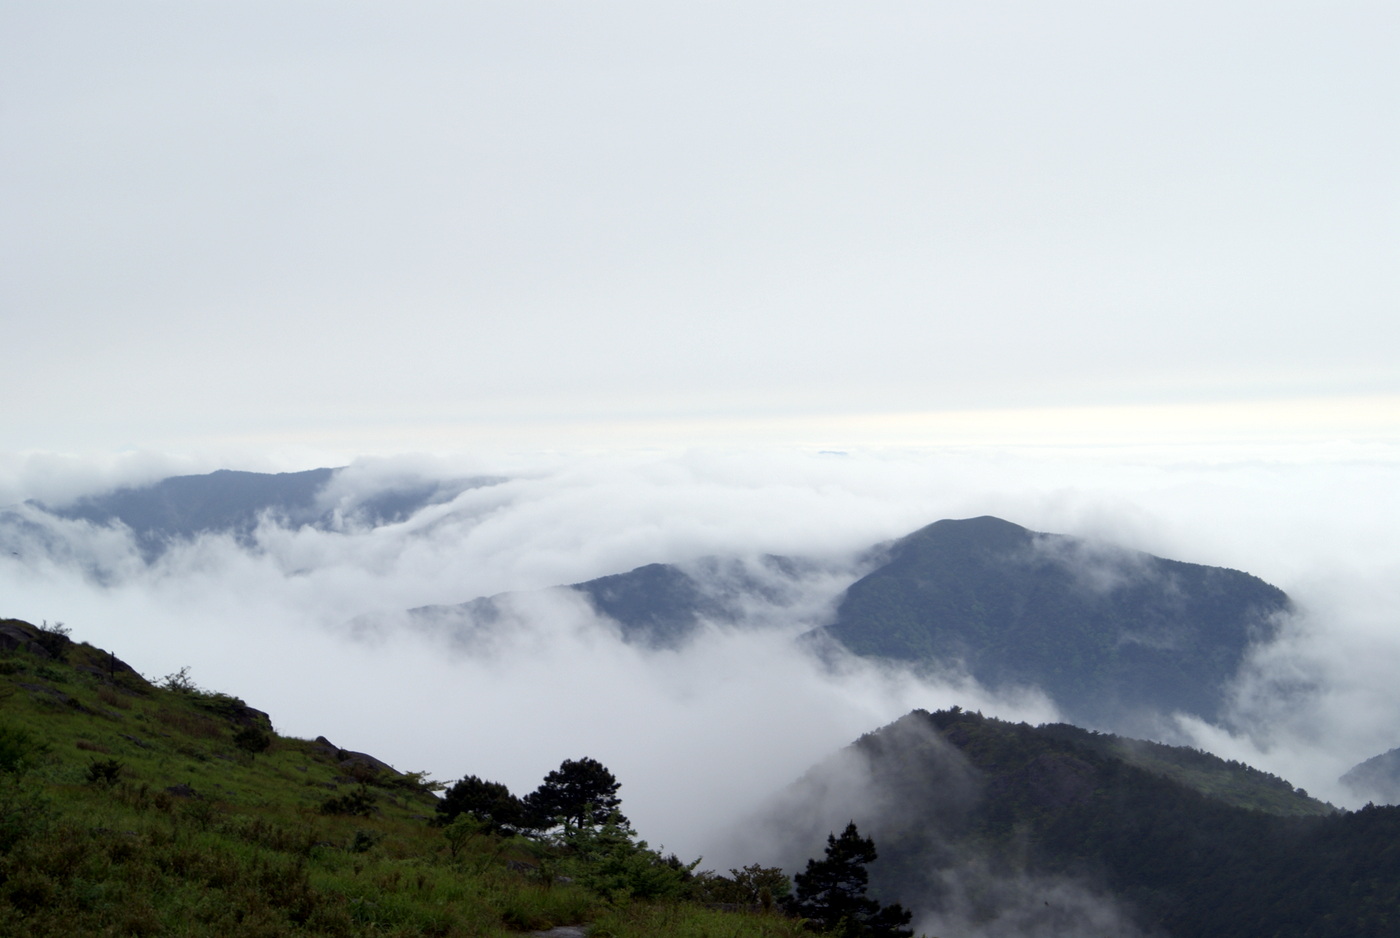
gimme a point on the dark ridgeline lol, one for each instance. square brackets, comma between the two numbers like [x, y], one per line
[1178, 841]
[1377, 779]
[1113, 636]
[182, 507]
[1117, 638]
[658, 605]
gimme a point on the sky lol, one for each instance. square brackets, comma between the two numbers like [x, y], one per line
[351, 228]
[700, 278]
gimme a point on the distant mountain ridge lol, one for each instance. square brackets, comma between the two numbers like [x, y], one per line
[1106, 631]
[181, 507]
[1119, 639]
[1377, 779]
[233, 502]
[661, 605]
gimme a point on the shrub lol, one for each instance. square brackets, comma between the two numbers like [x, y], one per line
[252, 739]
[104, 772]
[754, 885]
[54, 640]
[180, 682]
[609, 861]
[461, 831]
[358, 803]
[24, 812]
[365, 840]
[19, 749]
[414, 781]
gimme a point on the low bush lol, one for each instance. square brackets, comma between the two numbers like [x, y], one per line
[104, 772]
[358, 803]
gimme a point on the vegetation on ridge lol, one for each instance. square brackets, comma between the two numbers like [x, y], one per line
[1062, 804]
[136, 808]
[129, 807]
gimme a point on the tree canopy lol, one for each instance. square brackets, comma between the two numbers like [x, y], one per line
[488, 802]
[580, 792]
[831, 892]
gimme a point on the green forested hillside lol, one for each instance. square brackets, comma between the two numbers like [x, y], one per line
[136, 808]
[1231, 782]
[132, 807]
[1188, 845]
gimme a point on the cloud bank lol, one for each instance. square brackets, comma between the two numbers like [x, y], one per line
[700, 733]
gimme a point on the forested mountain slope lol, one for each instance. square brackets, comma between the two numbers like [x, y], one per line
[1110, 634]
[1178, 842]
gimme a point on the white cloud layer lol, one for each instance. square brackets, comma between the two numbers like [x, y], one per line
[698, 734]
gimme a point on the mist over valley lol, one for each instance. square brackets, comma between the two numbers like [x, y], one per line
[731, 623]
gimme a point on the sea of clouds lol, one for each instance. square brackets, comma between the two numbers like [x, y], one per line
[308, 623]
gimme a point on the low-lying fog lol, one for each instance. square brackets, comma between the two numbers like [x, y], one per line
[699, 735]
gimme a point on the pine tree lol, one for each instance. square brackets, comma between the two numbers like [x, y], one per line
[831, 892]
[580, 792]
[488, 802]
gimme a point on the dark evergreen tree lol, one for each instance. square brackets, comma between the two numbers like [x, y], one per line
[489, 802]
[580, 792]
[831, 892]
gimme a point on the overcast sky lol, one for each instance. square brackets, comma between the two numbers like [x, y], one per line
[371, 227]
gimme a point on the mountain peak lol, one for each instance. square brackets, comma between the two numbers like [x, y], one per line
[1109, 633]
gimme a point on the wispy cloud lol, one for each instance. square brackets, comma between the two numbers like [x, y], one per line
[736, 713]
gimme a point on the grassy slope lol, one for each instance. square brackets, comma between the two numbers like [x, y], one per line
[251, 851]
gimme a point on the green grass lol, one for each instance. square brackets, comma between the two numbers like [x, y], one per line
[179, 831]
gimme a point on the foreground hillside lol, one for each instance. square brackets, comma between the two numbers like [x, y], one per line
[976, 815]
[133, 808]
